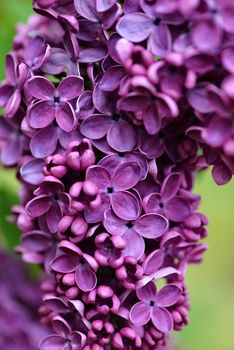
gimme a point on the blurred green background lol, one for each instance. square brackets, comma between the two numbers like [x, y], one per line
[211, 285]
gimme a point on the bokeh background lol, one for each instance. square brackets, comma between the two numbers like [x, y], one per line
[211, 285]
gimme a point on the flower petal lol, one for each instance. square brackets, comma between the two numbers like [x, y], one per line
[36, 241]
[217, 132]
[77, 340]
[151, 203]
[52, 342]
[85, 278]
[111, 78]
[151, 225]
[104, 101]
[41, 114]
[228, 59]
[170, 186]
[11, 152]
[44, 142]
[160, 40]
[227, 13]
[100, 176]
[38, 206]
[162, 320]
[54, 215]
[65, 263]
[135, 245]
[199, 100]
[5, 93]
[95, 126]
[65, 117]
[71, 87]
[122, 136]
[140, 314]
[153, 262]
[126, 176]
[55, 303]
[151, 119]
[41, 88]
[206, 29]
[133, 102]
[113, 224]
[104, 5]
[5, 128]
[177, 209]
[125, 205]
[135, 27]
[168, 295]
[221, 174]
[97, 215]
[84, 105]
[93, 54]
[61, 327]
[87, 9]
[13, 104]
[151, 146]
[147, 293]
[11, 68]
[31, 171]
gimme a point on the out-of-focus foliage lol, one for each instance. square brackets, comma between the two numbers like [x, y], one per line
[211, 284]
[11, 12]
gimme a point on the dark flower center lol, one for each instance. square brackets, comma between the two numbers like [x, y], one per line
[161, 205]
[157, 21]
[56, 99]
[110, 190]
[82, 261]
[55, 197]
[129, 224]
[213, 11]
[152, 303]
[121, 155]
[116, 117]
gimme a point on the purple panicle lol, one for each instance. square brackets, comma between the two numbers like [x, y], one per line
[111, 109]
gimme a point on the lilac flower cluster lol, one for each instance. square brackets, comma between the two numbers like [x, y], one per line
[111, 109]
[19, 299]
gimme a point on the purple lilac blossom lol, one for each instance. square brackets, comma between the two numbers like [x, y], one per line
[111, 109]
[20, 327]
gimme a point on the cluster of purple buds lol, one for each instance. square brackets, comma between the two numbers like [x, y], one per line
[20, 327]
[111, 110]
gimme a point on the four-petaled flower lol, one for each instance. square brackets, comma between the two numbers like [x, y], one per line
[153, 306]
[53, 103]
[65, 337]
[113, 189]
[167, 202]
[50, 200]
[149, 226]
[73, 260]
